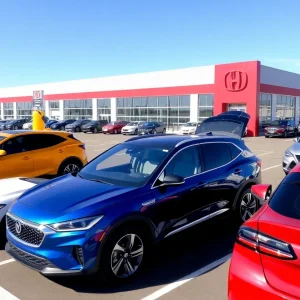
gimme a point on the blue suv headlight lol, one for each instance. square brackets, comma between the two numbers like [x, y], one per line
[76, 225]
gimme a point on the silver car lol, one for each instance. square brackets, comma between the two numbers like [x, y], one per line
[10, 190]
[291, 156]
[132, 127]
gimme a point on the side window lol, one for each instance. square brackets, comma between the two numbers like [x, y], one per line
[41, 141]
[16, 145]
[185, 163]
[215, 155]
[235, 151]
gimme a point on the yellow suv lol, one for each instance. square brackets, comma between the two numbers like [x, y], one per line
[39, 153]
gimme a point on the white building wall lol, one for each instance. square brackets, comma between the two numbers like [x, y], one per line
[160, 79]
[278, 77]
[113, 104]
[1, 111]
[194, 111]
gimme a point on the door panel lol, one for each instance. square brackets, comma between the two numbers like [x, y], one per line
[18, 161]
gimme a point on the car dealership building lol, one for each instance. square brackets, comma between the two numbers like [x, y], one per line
[174, 97]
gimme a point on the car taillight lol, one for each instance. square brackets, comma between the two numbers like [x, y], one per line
[82, 146]
[265, 244]
[259, 163]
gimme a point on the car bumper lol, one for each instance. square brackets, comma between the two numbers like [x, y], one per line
[86, 129]
[129, 132]
[251, 284]
[57, 255]
[70, 129]
[275, 134]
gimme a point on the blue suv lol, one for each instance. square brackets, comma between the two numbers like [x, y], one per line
[105, 217]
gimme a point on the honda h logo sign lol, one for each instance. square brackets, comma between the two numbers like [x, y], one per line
[236, 81]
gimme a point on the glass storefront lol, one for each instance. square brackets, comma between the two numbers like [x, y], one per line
[285, 107]
[265, 110]
[54, 112]
[205, 106]
[104, 109]
[78, 109]
[172, 110]
[24, 110]
[8, 109]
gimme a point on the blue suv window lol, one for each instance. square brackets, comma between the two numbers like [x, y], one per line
[215, 155]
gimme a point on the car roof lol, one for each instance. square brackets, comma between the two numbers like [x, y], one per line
[174, 140]
[9, 133]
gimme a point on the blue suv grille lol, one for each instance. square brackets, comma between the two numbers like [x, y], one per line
[28, 234]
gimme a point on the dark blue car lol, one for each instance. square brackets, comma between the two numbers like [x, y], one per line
[105, 217]
[50, 122]
[61, 125]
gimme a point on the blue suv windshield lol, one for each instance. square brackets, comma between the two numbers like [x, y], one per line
[126, 164]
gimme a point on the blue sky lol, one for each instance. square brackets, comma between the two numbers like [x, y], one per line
[48, 41]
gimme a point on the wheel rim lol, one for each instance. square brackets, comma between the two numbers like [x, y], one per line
[248, 207]
[71, 168]
[95, 130]
[127, 255]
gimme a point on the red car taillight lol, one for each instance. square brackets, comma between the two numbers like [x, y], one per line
[265, 244]
[259, 163]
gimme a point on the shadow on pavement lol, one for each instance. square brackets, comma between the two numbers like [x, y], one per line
[171, 260]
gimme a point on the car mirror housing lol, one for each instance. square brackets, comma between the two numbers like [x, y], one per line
[262, 191]
[2, 152]
[173, 180]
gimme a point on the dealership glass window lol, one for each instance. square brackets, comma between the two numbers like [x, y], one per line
[205, 106]
[172, 110]
[78, 109]
[104, 109]
[53, 104]
[285, 107]
[54, 111]
[265, 110]
[8, 110]
[24, 110]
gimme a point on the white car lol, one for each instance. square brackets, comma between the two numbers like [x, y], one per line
[132, 127]
[10, 190]
[27, 125]
[189, 128]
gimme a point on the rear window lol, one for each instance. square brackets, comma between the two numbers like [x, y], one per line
[286, 199]
[2, 138]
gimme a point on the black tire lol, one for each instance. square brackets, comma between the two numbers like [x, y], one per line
[16, 128]
[2, 234]
[164, 131]
[136, 132]
[77, 129]
[266, 136]
[240, 210]
[62, 128]
[67, 164]
[95, 130]
[154, 131]
[285, 134]
[115, 131]
[106, 260]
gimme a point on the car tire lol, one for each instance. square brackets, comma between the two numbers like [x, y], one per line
[136, 132]
[164, 131]
[16, 128]
[95, 130]
[62, 128]
[2, 234]
[285, 134]
[111, 255]
[266, 136]
[77, 129]
[73, 165]
[154, 131]
[115, 131]
[246, 206]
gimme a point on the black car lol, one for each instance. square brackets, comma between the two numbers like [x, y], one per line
[76, 126]
[94, 126]
[14, 124]
[281, 128]
[61, 125]
[152, 128]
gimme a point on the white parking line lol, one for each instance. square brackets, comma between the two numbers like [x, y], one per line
[266, 169]
[265, 153]
[100, 150]
[288, 140]
[6, 262]
[5, 295]
[168, 288]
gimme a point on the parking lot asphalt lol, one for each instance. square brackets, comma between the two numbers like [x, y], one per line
[190, 265]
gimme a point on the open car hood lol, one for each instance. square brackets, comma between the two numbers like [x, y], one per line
[228, 123]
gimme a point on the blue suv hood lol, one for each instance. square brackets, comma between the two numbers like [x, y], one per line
[64, 196]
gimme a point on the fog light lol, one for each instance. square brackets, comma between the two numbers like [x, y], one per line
[78, 254]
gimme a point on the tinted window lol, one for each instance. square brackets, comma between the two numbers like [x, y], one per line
[286, 199]
[185, 164]
[2, 137]
[41, 141]
[279, 123]
[16, 145]
[215, 155]
[235, 151]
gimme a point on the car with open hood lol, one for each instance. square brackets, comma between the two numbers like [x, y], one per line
[76, 126]
[10, 190]
[132, 127]
[152, 127]
[281, 128]
[114, 127]
[94, 126]
[104, 218]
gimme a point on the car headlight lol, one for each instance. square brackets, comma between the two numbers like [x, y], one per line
[76, 225]
[288, 153]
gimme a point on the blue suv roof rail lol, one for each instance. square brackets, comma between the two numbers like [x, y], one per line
[148, 136]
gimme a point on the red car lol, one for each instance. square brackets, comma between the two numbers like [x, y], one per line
[266, 258]
[114, 127]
